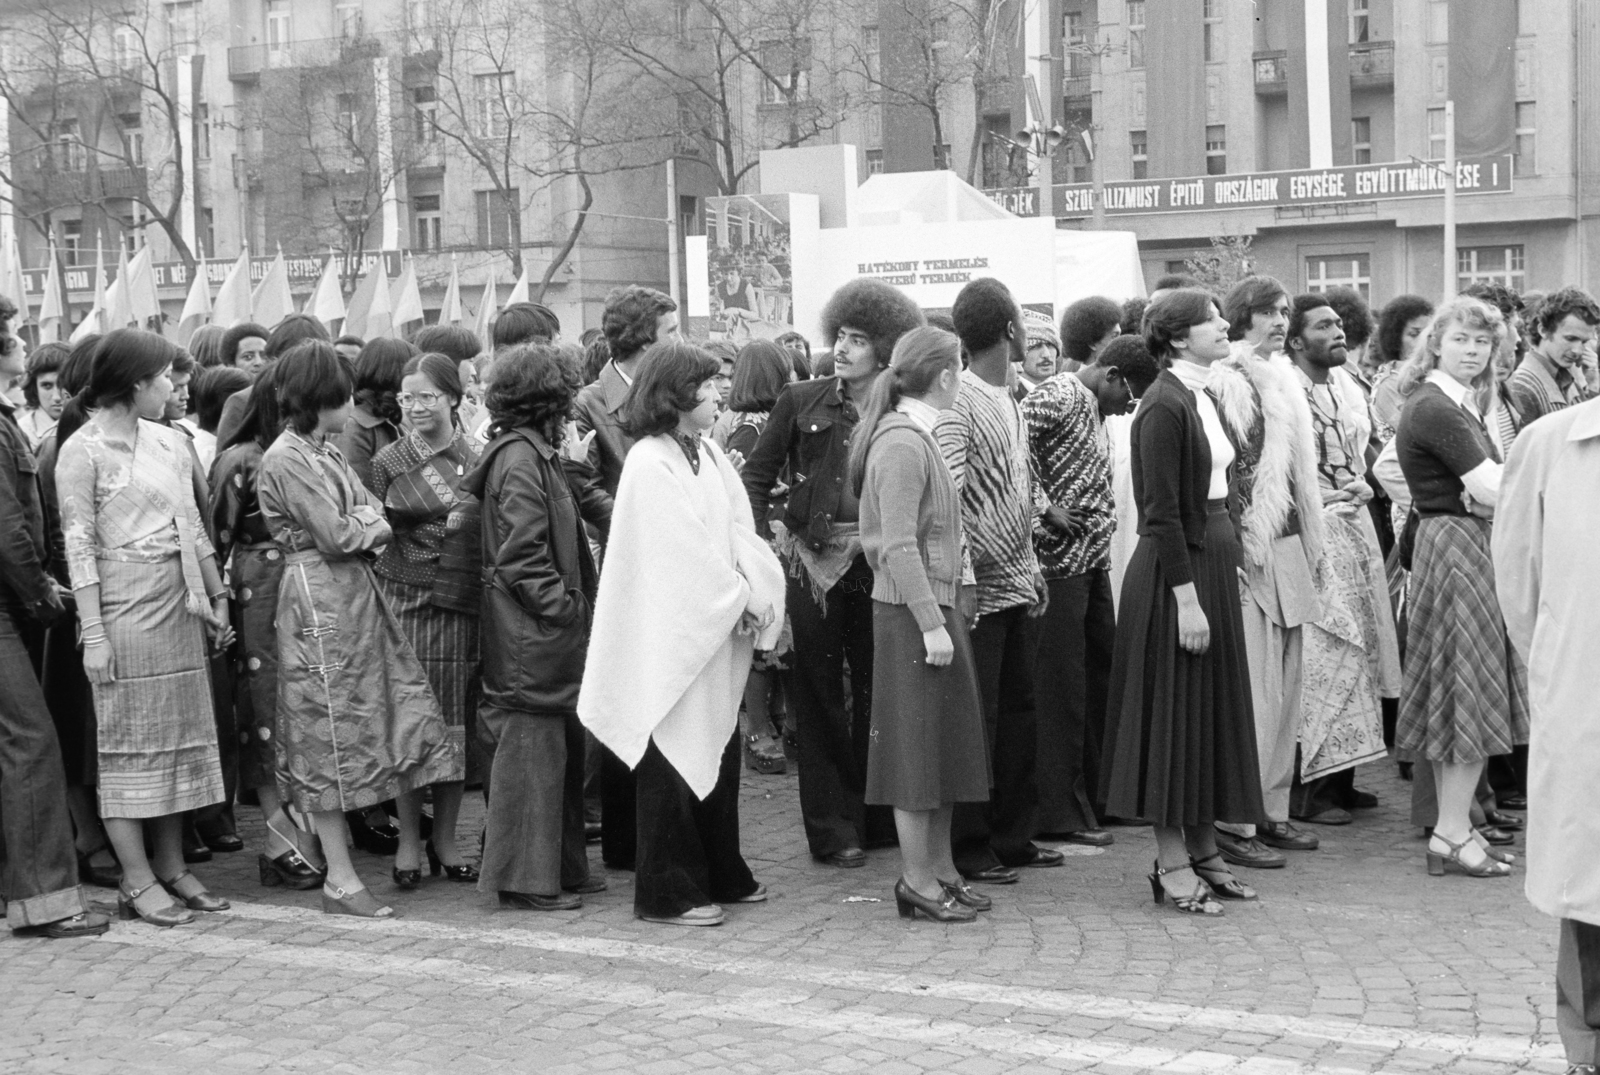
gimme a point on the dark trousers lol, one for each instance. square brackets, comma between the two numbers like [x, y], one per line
[1000, 832]
[1578, 991]
[1508, 773]
[688, 847]
[533, 832]
[619, 831]
[217, 819]
[38, 863]
[1072, 669]
[831, 734]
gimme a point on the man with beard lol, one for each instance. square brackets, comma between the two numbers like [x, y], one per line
[1350, 657]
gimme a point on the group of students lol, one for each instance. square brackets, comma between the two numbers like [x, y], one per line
[996, 610]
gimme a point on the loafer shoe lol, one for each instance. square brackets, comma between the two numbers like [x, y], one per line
[1360, 800]
[1041, 858]
[994, 875]
[1497, 837]
[1086, 837]
[223, 843]
[531, 901]
[1333, 815]
[848, 859]
[1517, 800]
[1251, 853]
[199, 853]
[87, 924]
[589, 887]
[1504, 822]
[1285, 837]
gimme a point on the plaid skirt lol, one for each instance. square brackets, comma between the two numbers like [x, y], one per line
[1465, 694]
[446, 642]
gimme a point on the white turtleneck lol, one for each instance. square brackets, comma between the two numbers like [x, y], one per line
[1194, 377]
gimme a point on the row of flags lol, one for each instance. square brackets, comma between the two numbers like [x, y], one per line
[378, 307]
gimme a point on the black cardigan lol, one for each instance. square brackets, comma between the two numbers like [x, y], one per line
[1171, 474]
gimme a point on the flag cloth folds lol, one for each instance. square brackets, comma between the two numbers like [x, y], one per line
[233, 298]
[1483, 76]
[486, 306]
[119, 302]
[271, 301]
[369, 313]
[450, 312]
[519, 293]
[95, 320]
[197, 306]
[327, 301]
[17, 284]
[405, 300]
[142, 288]
[52, 310]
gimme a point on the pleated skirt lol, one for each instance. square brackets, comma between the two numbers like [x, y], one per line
[1180, 728]
[1465, 694]
[156, 731]
[927, 746]
[446, 642]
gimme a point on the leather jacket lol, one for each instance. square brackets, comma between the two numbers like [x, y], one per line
[807, 441]
[539, 579]
[598, 407]
[24, 552]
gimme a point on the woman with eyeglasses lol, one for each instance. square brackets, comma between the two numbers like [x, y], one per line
[429, 575]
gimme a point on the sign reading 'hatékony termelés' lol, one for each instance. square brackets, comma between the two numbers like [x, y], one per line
[1308, 186]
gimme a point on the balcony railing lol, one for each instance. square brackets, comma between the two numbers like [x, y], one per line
[1372, 64]
[1272, 73]
[246, 62]
[1075, 87]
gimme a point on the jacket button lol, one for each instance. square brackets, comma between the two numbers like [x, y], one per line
[254, 664]
[272, 554]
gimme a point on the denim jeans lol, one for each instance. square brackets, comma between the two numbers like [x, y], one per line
[38, 862]
[533, 834]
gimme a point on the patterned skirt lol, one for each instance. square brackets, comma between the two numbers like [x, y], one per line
[446, 642]
[1465, 696]
[156, 730]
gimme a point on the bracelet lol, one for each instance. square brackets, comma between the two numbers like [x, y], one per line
[96, 640]
[84, 625]
[218, 596]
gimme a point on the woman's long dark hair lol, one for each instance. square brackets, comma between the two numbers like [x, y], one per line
[124, 359]
[918, 359]
[378, 374]
[263, 420]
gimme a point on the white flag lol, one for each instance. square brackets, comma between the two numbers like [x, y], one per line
[519, 293]
[450, 313]
[142, 287]
[271, 301]
[327, 301]
[197, 306]
[233, 298]
[486, 308]
[52, 310]
[95, 320]
[405, 300]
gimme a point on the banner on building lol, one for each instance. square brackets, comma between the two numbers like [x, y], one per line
[1257, 190]
[303, 272]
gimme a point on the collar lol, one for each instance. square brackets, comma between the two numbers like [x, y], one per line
[614, 386]
[1459, 393]
[366, 419]
[6, 406]
[1586, 421]
[1191, 375]
[923, 414]
[1550, 382]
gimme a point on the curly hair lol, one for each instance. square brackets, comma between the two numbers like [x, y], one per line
[667, 385]
[245, 330]
[1557, 306]
[1464, 310]
[533, 387]
[983, 311]
[1397, 313]
[882, 311]
[631, 317]
[596, 353]
[1133, 315]
[1352, 310]
[1301, 305]
[1085, 323]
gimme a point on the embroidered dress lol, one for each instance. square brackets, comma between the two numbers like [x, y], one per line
[430, 572]
[131, 526]
[357, 720]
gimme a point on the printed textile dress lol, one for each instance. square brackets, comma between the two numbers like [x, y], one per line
[357, 720]
[255, 573]
[131, 525]
[430, 574]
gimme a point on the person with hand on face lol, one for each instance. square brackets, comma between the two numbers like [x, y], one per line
[1180, 732]
[1464, 697]
[1350, 658]
[806, 445]
[1071, 453]
[149, 594]
[1551, 375]
[358, 723]
[687, 592]
[984, 441]
[927, 749]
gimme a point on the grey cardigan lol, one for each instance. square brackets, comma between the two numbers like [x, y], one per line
[911, 521]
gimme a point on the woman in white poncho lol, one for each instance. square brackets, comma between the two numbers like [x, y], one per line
[686, 593]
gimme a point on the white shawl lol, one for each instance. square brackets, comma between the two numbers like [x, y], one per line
[682, 565]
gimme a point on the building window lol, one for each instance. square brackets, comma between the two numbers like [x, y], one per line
[1077, 45]
[346, 119]
[1436, 134]
[132, 125]
[1490, 265]
[1211, 29]
[1216, 149]
[688, 214]
[1360, 21]
[202, 132]
[126, 49]
[69, 151]
[938, 33]
[208, 231]
[183, 28]
[347, 17]
[425, 113]
[495, 209]
[874, 162]
[1329, 271]
[1438, 22]
[1527, 162]
[1140, 144]
[870, 53]
[1135, 21]
[428, 220]
[787, 67]
[72, 241]
[494, 106]
[1361, 138]
[280, 30]
[680, 20]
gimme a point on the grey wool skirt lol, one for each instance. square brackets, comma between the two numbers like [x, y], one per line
[927, 748]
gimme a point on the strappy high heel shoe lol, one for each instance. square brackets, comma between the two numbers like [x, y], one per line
[128, 909]
[200, 901]
[361, 903]
[1489, 867]
[1489, 849]
[465, 873]
[1201, 901]
[947, 909]
[1230, 889]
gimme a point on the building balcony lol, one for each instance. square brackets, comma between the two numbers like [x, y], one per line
[1372, 65]
[1075, 87]
[1272, 73]
[246, 62]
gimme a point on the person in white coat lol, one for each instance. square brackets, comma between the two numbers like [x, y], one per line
[1548, 583]
[688, 591]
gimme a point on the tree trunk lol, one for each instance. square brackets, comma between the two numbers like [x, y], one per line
[560, 256]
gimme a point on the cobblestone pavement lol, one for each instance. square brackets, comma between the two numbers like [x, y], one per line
[1354, 960]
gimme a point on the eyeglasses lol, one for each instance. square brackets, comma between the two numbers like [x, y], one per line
[427, 399]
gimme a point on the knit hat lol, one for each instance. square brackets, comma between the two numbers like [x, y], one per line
[1041, 329]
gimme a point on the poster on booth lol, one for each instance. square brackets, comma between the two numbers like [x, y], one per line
[750, 266]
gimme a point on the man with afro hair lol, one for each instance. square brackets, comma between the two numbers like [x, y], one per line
[807, 438]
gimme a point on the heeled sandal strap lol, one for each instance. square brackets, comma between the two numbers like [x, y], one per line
[131, 894]
[171, 882]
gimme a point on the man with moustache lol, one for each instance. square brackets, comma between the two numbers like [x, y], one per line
[1551, 375]
[1350, 657]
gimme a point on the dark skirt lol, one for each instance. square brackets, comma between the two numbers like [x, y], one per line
[257, 575]
[1465, 695]
[70, 699]
[1180, 730]
[927, 748]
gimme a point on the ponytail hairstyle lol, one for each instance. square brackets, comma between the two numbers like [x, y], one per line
[919, 357]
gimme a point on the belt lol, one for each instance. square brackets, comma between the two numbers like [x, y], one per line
[128, 556]
[303, 556]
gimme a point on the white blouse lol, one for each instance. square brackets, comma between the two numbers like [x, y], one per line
[1194, 377]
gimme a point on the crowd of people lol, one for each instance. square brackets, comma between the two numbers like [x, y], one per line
[991, 584]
